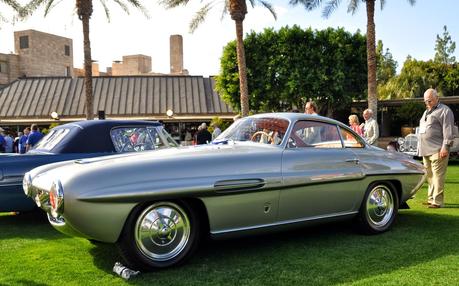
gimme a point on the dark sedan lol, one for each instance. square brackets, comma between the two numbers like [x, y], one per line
[73, 141]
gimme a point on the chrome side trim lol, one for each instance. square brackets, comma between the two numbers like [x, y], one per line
[237, 185]
[282, 223]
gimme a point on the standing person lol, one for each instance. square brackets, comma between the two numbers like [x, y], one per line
[311, 135]
[33, 138]
[355, 125]
[203, 136]
[435, 138]
[370, 128]
[217, 131]
[16, 143]
[23, 140]
[310, 108]
[2, 140]
[9, 142]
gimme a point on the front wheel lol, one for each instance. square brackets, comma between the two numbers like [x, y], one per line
[379, 208]
[159, 235]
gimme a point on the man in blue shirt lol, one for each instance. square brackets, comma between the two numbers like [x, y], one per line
[33, 138]
[2, 141]
[23, 140]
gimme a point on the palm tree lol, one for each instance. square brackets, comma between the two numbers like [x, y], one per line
[330, 6]
[84, 12]
[237, 10]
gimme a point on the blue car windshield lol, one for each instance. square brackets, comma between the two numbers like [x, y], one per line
[260, 130]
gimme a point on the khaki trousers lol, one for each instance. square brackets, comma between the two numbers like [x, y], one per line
[436, 174]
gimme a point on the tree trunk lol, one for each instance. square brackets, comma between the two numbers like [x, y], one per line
[371, 58]
[242, 69]
[87, 69]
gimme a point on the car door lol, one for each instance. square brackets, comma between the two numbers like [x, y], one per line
[319, 175]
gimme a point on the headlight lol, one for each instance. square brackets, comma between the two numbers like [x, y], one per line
[56, 198]
[400, 140]
[27, 183]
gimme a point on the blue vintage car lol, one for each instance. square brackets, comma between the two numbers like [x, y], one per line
[73, 141]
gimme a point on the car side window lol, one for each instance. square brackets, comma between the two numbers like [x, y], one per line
[131, 139]
[314, 134]
[350, 140]
[157, 141]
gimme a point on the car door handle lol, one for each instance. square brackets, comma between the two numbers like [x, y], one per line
[355, 161]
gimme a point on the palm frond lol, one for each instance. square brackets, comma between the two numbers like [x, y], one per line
[31, 7]
[382, 3]
[13, 4]
[308, 4]
[412, 2]
[123, 6]
[269, 7]
[331, 6]
[225, 10]
[199, 17]
[50, 5]
[104, 6]
[353, 6]
[168, 4]
[140, 7]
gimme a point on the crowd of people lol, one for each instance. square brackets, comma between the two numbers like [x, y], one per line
[20, 142]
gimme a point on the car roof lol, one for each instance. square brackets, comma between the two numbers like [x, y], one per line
[295, 116]
[93, 136]
[108, 123]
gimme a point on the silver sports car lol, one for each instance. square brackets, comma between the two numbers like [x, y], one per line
[265, 172]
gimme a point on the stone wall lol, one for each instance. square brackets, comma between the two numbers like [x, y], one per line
[10, 68]
[44, 54]
[132, 65]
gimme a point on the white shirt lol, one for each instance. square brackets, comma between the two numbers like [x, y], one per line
[371, 131]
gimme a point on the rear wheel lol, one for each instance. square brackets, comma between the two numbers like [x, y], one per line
[159, 235]
[379, 208]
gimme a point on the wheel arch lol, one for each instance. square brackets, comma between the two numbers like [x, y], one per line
[194, 203]
[393, 184]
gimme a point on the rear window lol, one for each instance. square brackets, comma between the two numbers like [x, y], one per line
[53, 138]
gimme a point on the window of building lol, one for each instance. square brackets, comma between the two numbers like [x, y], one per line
[24, 42]
[3, 67]
[67, 50]
[67, 71]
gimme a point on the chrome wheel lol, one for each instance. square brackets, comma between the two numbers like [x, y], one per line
[162, 231]
[380, 206]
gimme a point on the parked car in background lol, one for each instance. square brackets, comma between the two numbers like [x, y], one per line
[265, 172]
[409, 144]
[76, 140]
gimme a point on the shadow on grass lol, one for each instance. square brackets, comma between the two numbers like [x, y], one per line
[323, 255]
[27, 225]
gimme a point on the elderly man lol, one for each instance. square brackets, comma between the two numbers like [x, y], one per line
[310, 108]
[435, 138]
[370, 128]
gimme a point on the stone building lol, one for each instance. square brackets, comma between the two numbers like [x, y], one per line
[37, 54]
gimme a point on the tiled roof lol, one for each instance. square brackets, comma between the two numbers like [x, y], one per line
[146, 97]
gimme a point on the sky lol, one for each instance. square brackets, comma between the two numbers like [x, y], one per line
[404, 29]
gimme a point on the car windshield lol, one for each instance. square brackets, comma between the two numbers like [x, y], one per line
[53, 138]
[265, 130]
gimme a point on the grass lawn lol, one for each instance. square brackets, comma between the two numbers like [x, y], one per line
[421, 249]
